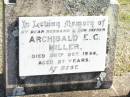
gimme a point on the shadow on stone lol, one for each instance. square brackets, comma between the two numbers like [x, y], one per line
[12, 1]
[128, 94]
[2, 89]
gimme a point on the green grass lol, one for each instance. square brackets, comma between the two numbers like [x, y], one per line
[123, 2]
[122, 64]
[125, 16]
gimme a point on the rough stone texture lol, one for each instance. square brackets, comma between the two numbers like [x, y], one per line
[1, 38]
[56, 8]
[118, 89]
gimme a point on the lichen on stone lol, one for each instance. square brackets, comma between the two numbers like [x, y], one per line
[86, 7]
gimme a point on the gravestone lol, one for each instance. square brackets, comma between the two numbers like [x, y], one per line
[59, 45]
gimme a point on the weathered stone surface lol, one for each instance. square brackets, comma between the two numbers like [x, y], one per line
[118, 89]
[57, 8]
[1, 39]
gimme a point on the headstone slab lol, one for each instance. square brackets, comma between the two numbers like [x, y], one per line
[19, 82]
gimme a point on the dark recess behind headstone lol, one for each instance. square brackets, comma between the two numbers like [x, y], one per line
[12, 1]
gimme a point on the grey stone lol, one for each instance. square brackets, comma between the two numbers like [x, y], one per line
[57, 83]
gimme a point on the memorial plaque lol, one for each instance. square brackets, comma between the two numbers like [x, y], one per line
[60, 45]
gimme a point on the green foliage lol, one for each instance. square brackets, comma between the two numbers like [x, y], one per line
[124, 1]
[125, 16]
[122, 64]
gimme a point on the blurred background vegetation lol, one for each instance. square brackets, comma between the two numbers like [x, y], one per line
[124, 1]
[122, 59]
